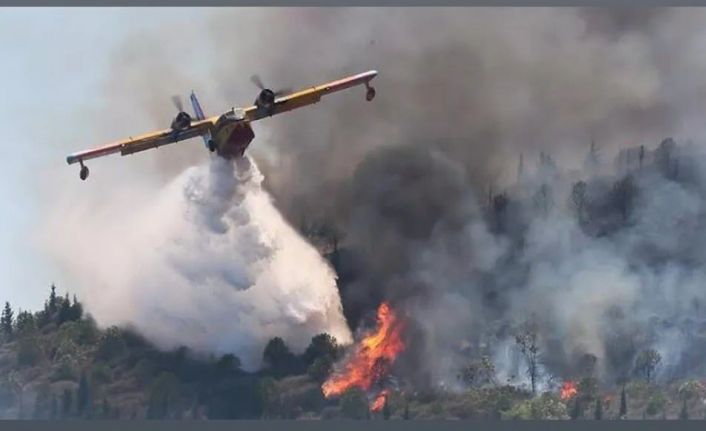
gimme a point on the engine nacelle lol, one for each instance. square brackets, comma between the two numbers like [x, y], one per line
[266, 100]
[182, 121]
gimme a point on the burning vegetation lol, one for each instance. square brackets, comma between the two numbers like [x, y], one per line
[568, 390]
[371, 359]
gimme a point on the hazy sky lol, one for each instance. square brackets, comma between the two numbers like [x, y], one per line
[54, 63]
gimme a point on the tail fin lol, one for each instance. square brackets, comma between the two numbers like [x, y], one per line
[200, 116]
[197, 107]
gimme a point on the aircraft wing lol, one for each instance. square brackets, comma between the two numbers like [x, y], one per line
[309, 96]
[145, 142]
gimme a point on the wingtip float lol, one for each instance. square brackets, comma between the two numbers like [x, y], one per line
[230, 133]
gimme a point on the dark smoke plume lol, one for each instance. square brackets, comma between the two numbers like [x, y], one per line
[423, 183]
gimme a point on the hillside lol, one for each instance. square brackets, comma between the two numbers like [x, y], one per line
[57, 364]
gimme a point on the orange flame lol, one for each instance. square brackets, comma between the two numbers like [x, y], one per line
[372, 357]
[379, 402]
[568, 390]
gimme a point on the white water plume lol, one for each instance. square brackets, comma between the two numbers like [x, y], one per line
[207, 262]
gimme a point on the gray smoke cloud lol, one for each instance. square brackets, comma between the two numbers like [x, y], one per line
[462, 95]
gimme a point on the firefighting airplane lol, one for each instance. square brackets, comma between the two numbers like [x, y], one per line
[228, 134]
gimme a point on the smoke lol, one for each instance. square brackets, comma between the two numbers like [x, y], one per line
[207, 262]
[463, 95]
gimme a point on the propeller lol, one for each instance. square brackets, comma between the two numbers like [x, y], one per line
[178, 104]
[255, 79]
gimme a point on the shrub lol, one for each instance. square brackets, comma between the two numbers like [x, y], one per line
[320, 369]
[29, 353]
[111, 346]
[100, 373]
[144, 370]
[354, 404]
[655, 404]
[66, 370]
[543, 407]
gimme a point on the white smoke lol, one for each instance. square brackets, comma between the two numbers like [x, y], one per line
[208, 262]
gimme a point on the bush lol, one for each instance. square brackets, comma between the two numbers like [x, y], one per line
[81, 332]
[655, 404]
[691, 389]
[278, 359]
[588, 389]
[320, 369]
[66, 370]
[228, 364]
[29, 353]
[478, 373]
[100, 373]
[543, 407]
[145, 370]
[111, 346]
[322, 345]
[163, 393]
[354, 404]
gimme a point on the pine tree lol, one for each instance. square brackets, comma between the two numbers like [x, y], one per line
[623, 404]
[66, 401]
[6, 320]
[64, 310]
[42, 402]
[52, 301]
[684, 413]
[54, 412]
[83, 395]
[386, 410]
[76, 310]
[598, 414]
[576, 411]
[105, 409]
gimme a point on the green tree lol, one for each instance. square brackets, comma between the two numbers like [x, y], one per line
[354, 404]
[105, 409]
[691, 389]
[322, 345]
[579, 200]
[598, 413]
[576, 409]
[646, 364]
[66, 403]
[42, 402]
[527, 341]
[386, 410]
[29, 352]
[227, 364]
[278, 358]
[657, 402]
[588, 388]
[163, 393]
[75, 310]
[320, 369]
[6, 320]
[52, 301]
[478, 373]
[83, 396]
[24, 323]
[266, 394]
[543, 407]
[64, 310]
[111, 345]
[54, 412]
[684, 413]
